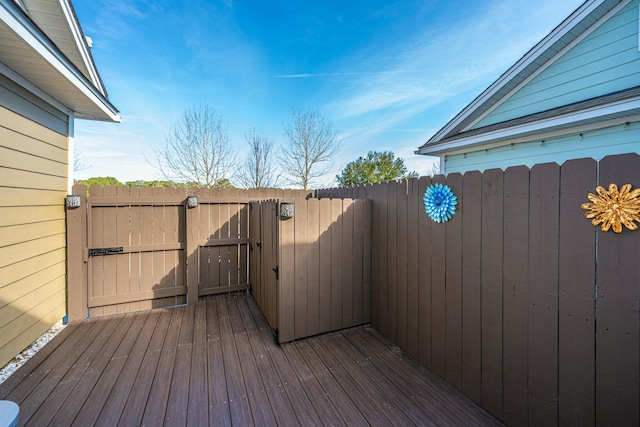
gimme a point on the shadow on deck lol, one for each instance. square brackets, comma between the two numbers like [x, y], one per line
[217, 363]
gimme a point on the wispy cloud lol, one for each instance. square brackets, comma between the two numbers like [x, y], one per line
[316, 75]
[384, 84]
[448, 61]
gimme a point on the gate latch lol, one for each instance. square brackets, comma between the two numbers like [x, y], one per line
[104, 251]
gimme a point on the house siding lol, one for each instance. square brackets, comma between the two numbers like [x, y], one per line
[603, 62]
[595, 144]
[33, 185]
[16, 98]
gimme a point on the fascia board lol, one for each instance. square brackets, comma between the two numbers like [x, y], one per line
[538, 128]
[548, 63]
[81, 43]
[24, 29]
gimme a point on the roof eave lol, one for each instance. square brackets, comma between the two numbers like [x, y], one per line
[598, 116]
[538, 51]
[56, 75]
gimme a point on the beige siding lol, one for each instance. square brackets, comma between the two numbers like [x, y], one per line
[33, 182]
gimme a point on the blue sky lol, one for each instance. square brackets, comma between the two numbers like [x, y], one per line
[387, 74]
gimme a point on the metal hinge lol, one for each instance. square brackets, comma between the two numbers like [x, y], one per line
[275, 269]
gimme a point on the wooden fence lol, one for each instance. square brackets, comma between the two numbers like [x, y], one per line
[313, 272]
[136, 248]
[505, 301]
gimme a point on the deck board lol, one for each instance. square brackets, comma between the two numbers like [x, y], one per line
[114, 406]
[159, 394]
[365, 391]
[218, 363]
[273, 386]
[179, 389]
[50, 394]
[26, 379]
[301, 405]
[136, 403]
[107, 370]
[198, 411]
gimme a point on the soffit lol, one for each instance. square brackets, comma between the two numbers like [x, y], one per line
[34, 56]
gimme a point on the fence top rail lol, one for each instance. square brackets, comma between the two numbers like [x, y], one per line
[161, 201]
[151, 196]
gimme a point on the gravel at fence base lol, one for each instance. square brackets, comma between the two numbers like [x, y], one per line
[20, 359]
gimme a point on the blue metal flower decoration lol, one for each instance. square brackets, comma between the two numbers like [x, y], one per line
[440, 202]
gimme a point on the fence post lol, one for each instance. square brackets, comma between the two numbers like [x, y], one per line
[191, 248]
[77, 257]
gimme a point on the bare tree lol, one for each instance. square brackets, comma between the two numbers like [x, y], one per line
[258, 171]
[309, 141]
[197, 150]
[434, 169]
[79, 162]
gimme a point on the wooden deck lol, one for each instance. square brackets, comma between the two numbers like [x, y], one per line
[217, 363]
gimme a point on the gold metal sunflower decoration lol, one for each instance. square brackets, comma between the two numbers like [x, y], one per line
[614, 208]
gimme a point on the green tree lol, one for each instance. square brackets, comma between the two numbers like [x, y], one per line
[102, 181]
[223, 183]
[376, 167]
[155, 183]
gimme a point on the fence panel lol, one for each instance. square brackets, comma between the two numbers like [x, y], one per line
[300, 265]
[413, 270]
[515, 295]
[402, 206]
[438, 294]
[576, 299]
[542, 285]
[336, 264]
[382, 253]
[286, 264]
[453, 287]
[347, 263]
[508, 291]
[392, 260]
[618, 308]
[492, 290]
[471, 383]
[424, 276]
[313, 267]
[324, 247]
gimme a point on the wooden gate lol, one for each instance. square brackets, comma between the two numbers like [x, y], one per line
[135, 250]
[146, 248]
[223, 246]
[264, 258]
[131, 249]
[311, 268]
